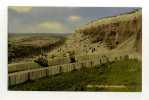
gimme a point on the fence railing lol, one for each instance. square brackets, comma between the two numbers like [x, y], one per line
[33, 74]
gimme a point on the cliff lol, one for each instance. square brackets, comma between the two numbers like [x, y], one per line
[116, 33]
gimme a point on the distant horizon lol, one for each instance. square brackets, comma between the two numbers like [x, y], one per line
[56, 20]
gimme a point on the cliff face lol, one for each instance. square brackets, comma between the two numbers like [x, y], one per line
[114, 30]
[119, 33]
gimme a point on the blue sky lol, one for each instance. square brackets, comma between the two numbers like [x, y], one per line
[55, 19]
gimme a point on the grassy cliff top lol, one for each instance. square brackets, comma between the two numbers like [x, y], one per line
[111, 19]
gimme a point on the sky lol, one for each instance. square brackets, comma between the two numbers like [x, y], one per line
[27, 19]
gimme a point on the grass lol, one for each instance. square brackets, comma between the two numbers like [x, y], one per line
[125, 72]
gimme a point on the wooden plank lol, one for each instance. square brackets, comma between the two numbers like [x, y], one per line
[38, 73]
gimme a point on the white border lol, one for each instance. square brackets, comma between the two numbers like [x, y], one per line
[7, 95]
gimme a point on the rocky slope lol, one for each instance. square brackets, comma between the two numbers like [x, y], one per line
[116, 33]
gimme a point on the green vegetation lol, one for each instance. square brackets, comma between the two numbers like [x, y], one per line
[124, 72]
[22, 46]
[42, 60]
[113, 36]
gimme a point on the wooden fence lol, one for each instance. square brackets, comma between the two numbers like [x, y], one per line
[33, 74]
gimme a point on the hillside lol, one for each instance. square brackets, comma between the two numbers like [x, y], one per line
[121, 33]
[25, 46]
[117, 76]
[102, 55]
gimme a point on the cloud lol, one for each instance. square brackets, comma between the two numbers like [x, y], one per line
[53, 26]
[27, 19]
[74, 18]
[21, 9]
